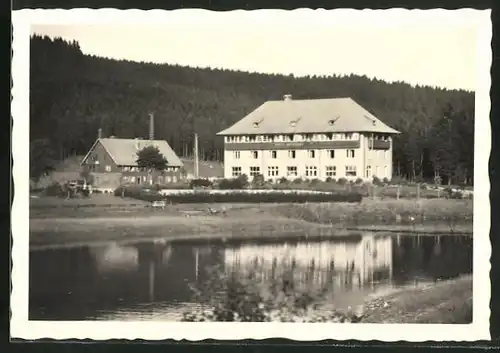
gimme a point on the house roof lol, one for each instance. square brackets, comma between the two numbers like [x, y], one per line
[124, 151]
[308, 116]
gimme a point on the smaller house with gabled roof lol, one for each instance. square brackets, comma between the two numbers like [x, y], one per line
[309, 139]
[113, 161]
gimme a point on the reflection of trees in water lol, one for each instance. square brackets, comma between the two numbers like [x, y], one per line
[59, 281]
[69, 283]
[431, 257]
[347, 264]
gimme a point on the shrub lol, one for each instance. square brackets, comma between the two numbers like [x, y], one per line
[200, 183]
[264, 197]
[298, 181]
[138, 192]
[376, 181]
[359, 181]
[55, 189]
[238, 183]
[397, 180]
[232, 296]
[342, 181]
[315, 181]
[385, 181]
[283, 180]
[258, 180]
[330, 180]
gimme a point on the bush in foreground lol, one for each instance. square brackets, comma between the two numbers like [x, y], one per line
[232, 296]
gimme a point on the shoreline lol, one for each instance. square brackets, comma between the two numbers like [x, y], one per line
[67, 232]
[444, 302]
[126, 221]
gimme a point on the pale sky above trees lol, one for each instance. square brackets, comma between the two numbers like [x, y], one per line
[419, 49]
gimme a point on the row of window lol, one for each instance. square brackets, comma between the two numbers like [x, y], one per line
[310, 171]
[293, 154]
[107, 168]
[293, 171]
[143, 179]
[328, 136]
[311, 154]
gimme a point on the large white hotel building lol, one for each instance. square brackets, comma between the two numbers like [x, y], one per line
[310, 139]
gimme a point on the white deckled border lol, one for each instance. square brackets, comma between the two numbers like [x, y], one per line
[21, 327]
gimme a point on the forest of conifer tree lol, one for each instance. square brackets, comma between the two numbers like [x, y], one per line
[72, 95]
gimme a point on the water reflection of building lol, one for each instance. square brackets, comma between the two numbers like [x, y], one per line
[346, 263]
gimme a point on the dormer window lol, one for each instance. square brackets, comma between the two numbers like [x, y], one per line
[293, 123]
[257, 123]
[332, 121]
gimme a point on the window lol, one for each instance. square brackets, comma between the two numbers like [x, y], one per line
[291, 171]
[348, 136]
[311, 171]
[288, 138]
[108, 168]
[368, 171]
[291, 154]
[350, 153]
[236, 154]
[274, 154]
[350, 170]
[307, 137]
[125, 169]
[311, 153]
[132, 179]
[255, 154]
[235, 172]
[331, 171]
[252, 138]
[329, 136]
[254, 171]
[331, 153]
[272, 171]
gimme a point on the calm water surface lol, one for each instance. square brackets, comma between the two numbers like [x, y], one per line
[151, 281]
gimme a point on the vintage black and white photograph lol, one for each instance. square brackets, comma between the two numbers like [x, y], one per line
[191, 168]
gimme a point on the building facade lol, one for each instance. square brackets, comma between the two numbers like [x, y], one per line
[112, 162]
[309, 139]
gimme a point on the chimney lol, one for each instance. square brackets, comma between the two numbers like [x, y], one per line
[99, 133]
[151, 126]
[287, 97]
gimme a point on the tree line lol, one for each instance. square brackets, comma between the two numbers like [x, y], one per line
[72, 95]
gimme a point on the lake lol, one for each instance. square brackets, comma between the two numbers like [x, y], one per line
[152, 280]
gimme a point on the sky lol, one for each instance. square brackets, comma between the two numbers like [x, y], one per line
[434, 53]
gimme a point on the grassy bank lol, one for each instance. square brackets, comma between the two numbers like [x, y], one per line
[72, 224]
[406, 212]
[447, 302]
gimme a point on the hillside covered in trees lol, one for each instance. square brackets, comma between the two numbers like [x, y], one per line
[72, 95]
